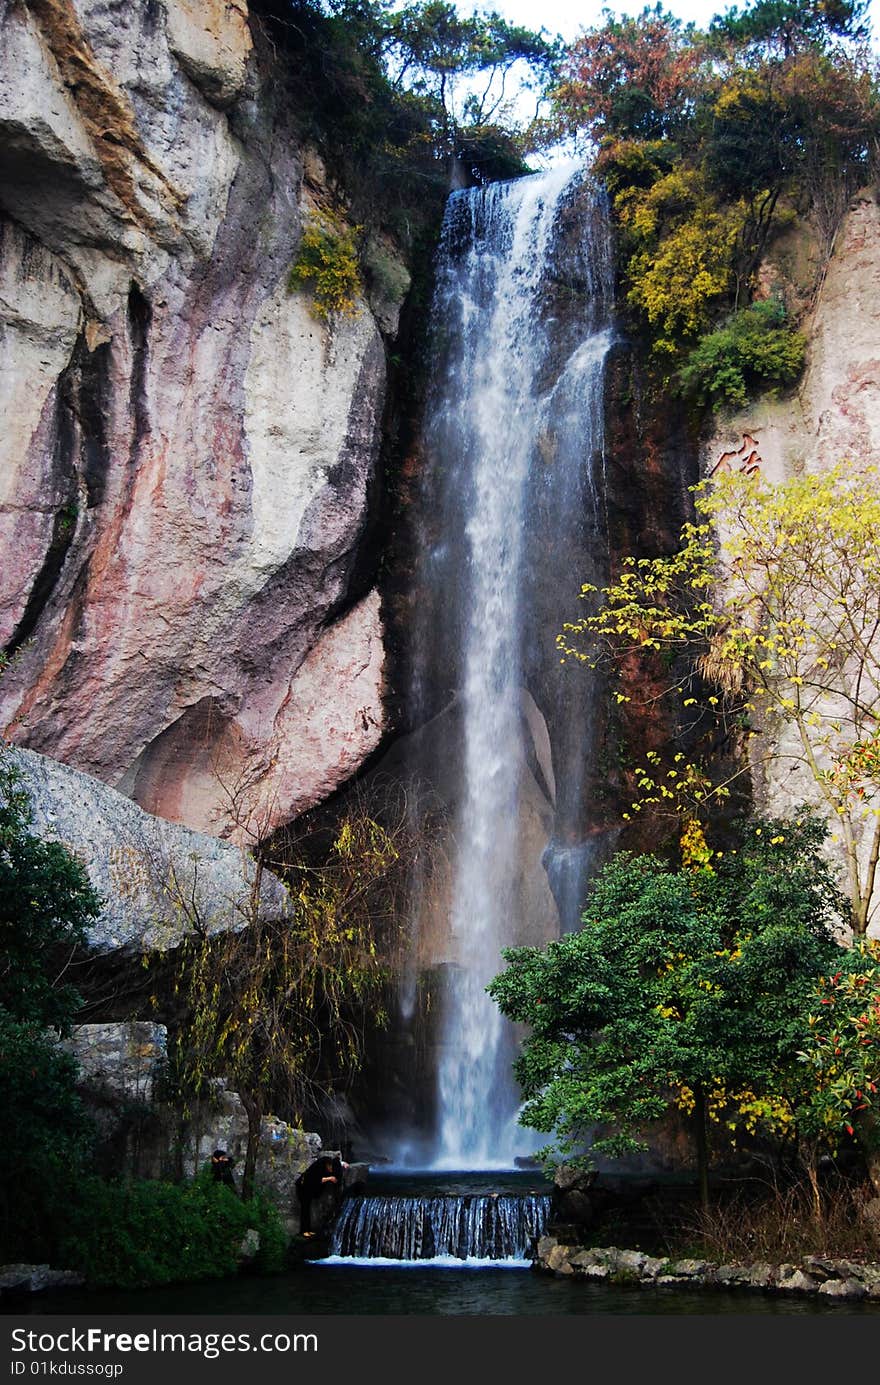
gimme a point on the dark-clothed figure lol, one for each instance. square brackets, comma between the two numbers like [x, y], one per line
[221, 1168]
[324, 1175]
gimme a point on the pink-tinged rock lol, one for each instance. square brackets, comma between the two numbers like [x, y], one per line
[192, 450]
[40, 314]
[287, 750]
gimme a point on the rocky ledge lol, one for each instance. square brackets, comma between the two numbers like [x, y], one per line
[18, 1280]
[834, 1279]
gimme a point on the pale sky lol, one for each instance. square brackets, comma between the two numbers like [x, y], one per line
[568, 17]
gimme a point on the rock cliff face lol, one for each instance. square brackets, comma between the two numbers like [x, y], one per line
[833, 417]
[186, 453]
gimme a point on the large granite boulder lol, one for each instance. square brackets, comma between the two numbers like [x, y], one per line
[154, 877]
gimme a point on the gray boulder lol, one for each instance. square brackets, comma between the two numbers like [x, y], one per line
[156, 879]
[842, 1288]
[122, 1059]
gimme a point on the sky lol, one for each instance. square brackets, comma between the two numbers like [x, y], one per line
[568, 17]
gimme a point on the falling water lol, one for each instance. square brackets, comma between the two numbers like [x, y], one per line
[470, 1229]
[514, 442]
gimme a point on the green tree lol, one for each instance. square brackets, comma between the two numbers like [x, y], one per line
[771, 627]
[841, 1056]
[756, 348]
[688, 986]
[47, 1139]
[46, 904]
[788, 25]
[465, 64]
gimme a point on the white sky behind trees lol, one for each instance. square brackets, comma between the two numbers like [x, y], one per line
[568, 17]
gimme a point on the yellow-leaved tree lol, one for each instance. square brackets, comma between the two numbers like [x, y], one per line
[767, 619]
[280, 1007]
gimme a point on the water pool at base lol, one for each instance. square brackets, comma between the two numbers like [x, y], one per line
[346, 1286]
[318, 1289]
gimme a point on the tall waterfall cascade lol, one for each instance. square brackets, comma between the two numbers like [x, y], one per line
[514, 447]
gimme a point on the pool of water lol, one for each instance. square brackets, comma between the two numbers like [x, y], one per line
[394, 1290]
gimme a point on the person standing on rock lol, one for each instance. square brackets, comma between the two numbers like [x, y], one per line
[324, 1175]
[221, 1168]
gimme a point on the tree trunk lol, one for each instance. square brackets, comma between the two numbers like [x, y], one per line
[868, 1132]
[702, 1144]
[811, 1164]
[253, 1106]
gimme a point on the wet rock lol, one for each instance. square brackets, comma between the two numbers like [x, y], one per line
[32, 1279]
[690, 1269]
[559, 1258]
[843, 1288]
[582, 1259]
[757, 1276]
[828, 1269]
[653, 1267]
[544, 1247]
[631, 1261]
[793, 1281]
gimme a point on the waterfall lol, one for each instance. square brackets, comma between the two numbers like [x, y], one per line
[513, 443]
[445, 1228]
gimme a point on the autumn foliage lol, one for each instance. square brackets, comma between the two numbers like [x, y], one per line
[710, 145]
[632, 77]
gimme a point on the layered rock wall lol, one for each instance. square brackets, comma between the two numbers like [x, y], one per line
[186, 451]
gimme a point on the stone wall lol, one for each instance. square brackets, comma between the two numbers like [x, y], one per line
[140, 1134]
[814, 1275]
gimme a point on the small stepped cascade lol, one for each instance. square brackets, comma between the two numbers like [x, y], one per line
[467, 1228]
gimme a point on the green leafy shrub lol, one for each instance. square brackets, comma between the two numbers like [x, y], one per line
[754, 350]
[46, 1142]
[694, 981]
[46, 904]
[130, 1235]
[327, 261]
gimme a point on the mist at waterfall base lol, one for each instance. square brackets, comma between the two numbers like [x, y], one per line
[512, 521]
